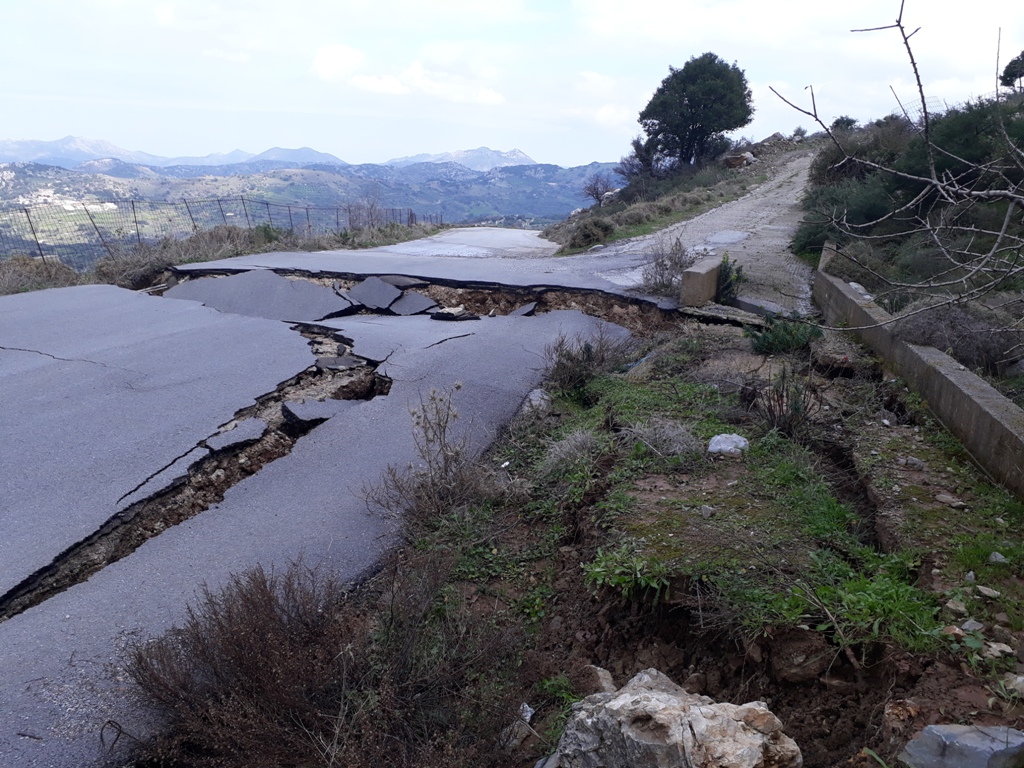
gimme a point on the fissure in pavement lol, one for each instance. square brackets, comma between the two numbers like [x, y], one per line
[209, 477]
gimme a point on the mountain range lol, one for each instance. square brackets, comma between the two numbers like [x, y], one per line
[73, 152]
[475, 185]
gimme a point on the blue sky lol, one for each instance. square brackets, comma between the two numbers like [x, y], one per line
[562, 80]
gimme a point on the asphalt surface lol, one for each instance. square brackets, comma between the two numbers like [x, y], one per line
[113, 388]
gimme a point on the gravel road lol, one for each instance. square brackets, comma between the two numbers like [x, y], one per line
[755, 231]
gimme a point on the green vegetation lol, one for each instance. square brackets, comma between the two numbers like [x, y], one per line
[780, 336]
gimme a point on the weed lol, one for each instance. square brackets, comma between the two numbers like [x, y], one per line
[576, 453]
[665, 438]
[556, 692]
[572, 363]
[787, 403]
[591, 232]
[730, 277]
[446, 478]
[628, 571]
[780, 336]
[22, 273]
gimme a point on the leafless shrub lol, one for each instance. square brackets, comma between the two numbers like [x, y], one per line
[787, 403]
[663, 274]
[22, 273]
[572, 363]
[596, 187]
[975, 335]
[665, 437]
[283, 670]
[579, 450]
[446, 477]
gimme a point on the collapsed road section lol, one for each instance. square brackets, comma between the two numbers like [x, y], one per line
[146, 381]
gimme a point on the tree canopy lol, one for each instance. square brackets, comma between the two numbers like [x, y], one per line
[1013, 74]
[694, 106]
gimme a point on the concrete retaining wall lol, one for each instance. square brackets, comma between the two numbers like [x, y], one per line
[990, 427]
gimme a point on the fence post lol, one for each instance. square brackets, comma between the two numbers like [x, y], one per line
[309, 225]
[35, 237]
[291, 224]
[269, 217]
[248, 224]
[135, 217]
[193, 218]
[221, 206]
[102, 240]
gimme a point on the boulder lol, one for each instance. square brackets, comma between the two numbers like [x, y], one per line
[965, 746]
[653, 723]
[728, 445]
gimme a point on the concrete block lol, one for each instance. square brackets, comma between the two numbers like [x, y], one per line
[700, 283]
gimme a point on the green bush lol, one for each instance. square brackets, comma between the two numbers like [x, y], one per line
[730, 277]
[591, 232]
[780, 336]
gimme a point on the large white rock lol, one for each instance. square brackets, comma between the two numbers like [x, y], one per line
[653, 723]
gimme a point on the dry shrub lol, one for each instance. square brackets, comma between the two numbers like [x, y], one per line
[578, 451]
[665, 438]
[663, 274]
[787, 403]
[446, 477]
[572, 363]
[23, 273]
[278, 670]
[978, 337]
[591, 232]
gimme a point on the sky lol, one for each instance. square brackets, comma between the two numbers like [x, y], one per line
[371, 80]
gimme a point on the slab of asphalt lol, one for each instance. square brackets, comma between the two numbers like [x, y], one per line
[61, 678]
[104, 388]
[499, 257]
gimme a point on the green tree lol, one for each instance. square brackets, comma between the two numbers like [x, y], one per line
[1013, 74]
[694, 106]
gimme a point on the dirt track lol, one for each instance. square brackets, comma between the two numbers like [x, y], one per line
[755, 231]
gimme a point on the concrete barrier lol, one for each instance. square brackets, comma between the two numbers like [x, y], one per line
[700, 283]
[988, 424]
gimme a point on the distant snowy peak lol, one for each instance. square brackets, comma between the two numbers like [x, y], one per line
[480, 159]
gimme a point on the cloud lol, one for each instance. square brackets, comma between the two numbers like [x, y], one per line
[216, 53]
[450, 87]
[335, 62]
[165, 15]
[380, 84]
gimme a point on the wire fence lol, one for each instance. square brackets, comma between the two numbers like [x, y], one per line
[78, 234]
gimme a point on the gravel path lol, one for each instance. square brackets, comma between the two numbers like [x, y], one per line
[755, 231]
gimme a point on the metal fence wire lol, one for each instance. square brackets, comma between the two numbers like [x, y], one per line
[80, 233]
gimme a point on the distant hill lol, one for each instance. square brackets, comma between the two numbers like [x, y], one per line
[479, 159]
[71, 151]
[536, 194]
[302, 156]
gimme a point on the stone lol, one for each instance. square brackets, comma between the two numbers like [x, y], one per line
[949, 501]
[652, 723]
[957, 606]
[707, 512]
[454, 313]
[997, 650]
[912, 462]
[374, 293]
[972, 625]
[1002, 618]
[341, 363]
[526, 310]
[728, 445]
[965, 746]
[598, 680]
[952, 631]
[987, 592]
[997, 557]
[413, 304]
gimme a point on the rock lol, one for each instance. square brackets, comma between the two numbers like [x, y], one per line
[653, 723]
[707, 512]
[987, 592]
[513, 736]
[970, 577]
[957, 606]
[800, 656]
[598, 680]
[997, 557]
[949, 501]
[1014, 682]
[972, 625]
[997, 650]
[342, 363]
[1002, 618]
[953, 631]
[453, 313]
[728, 445]
[965, 746]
